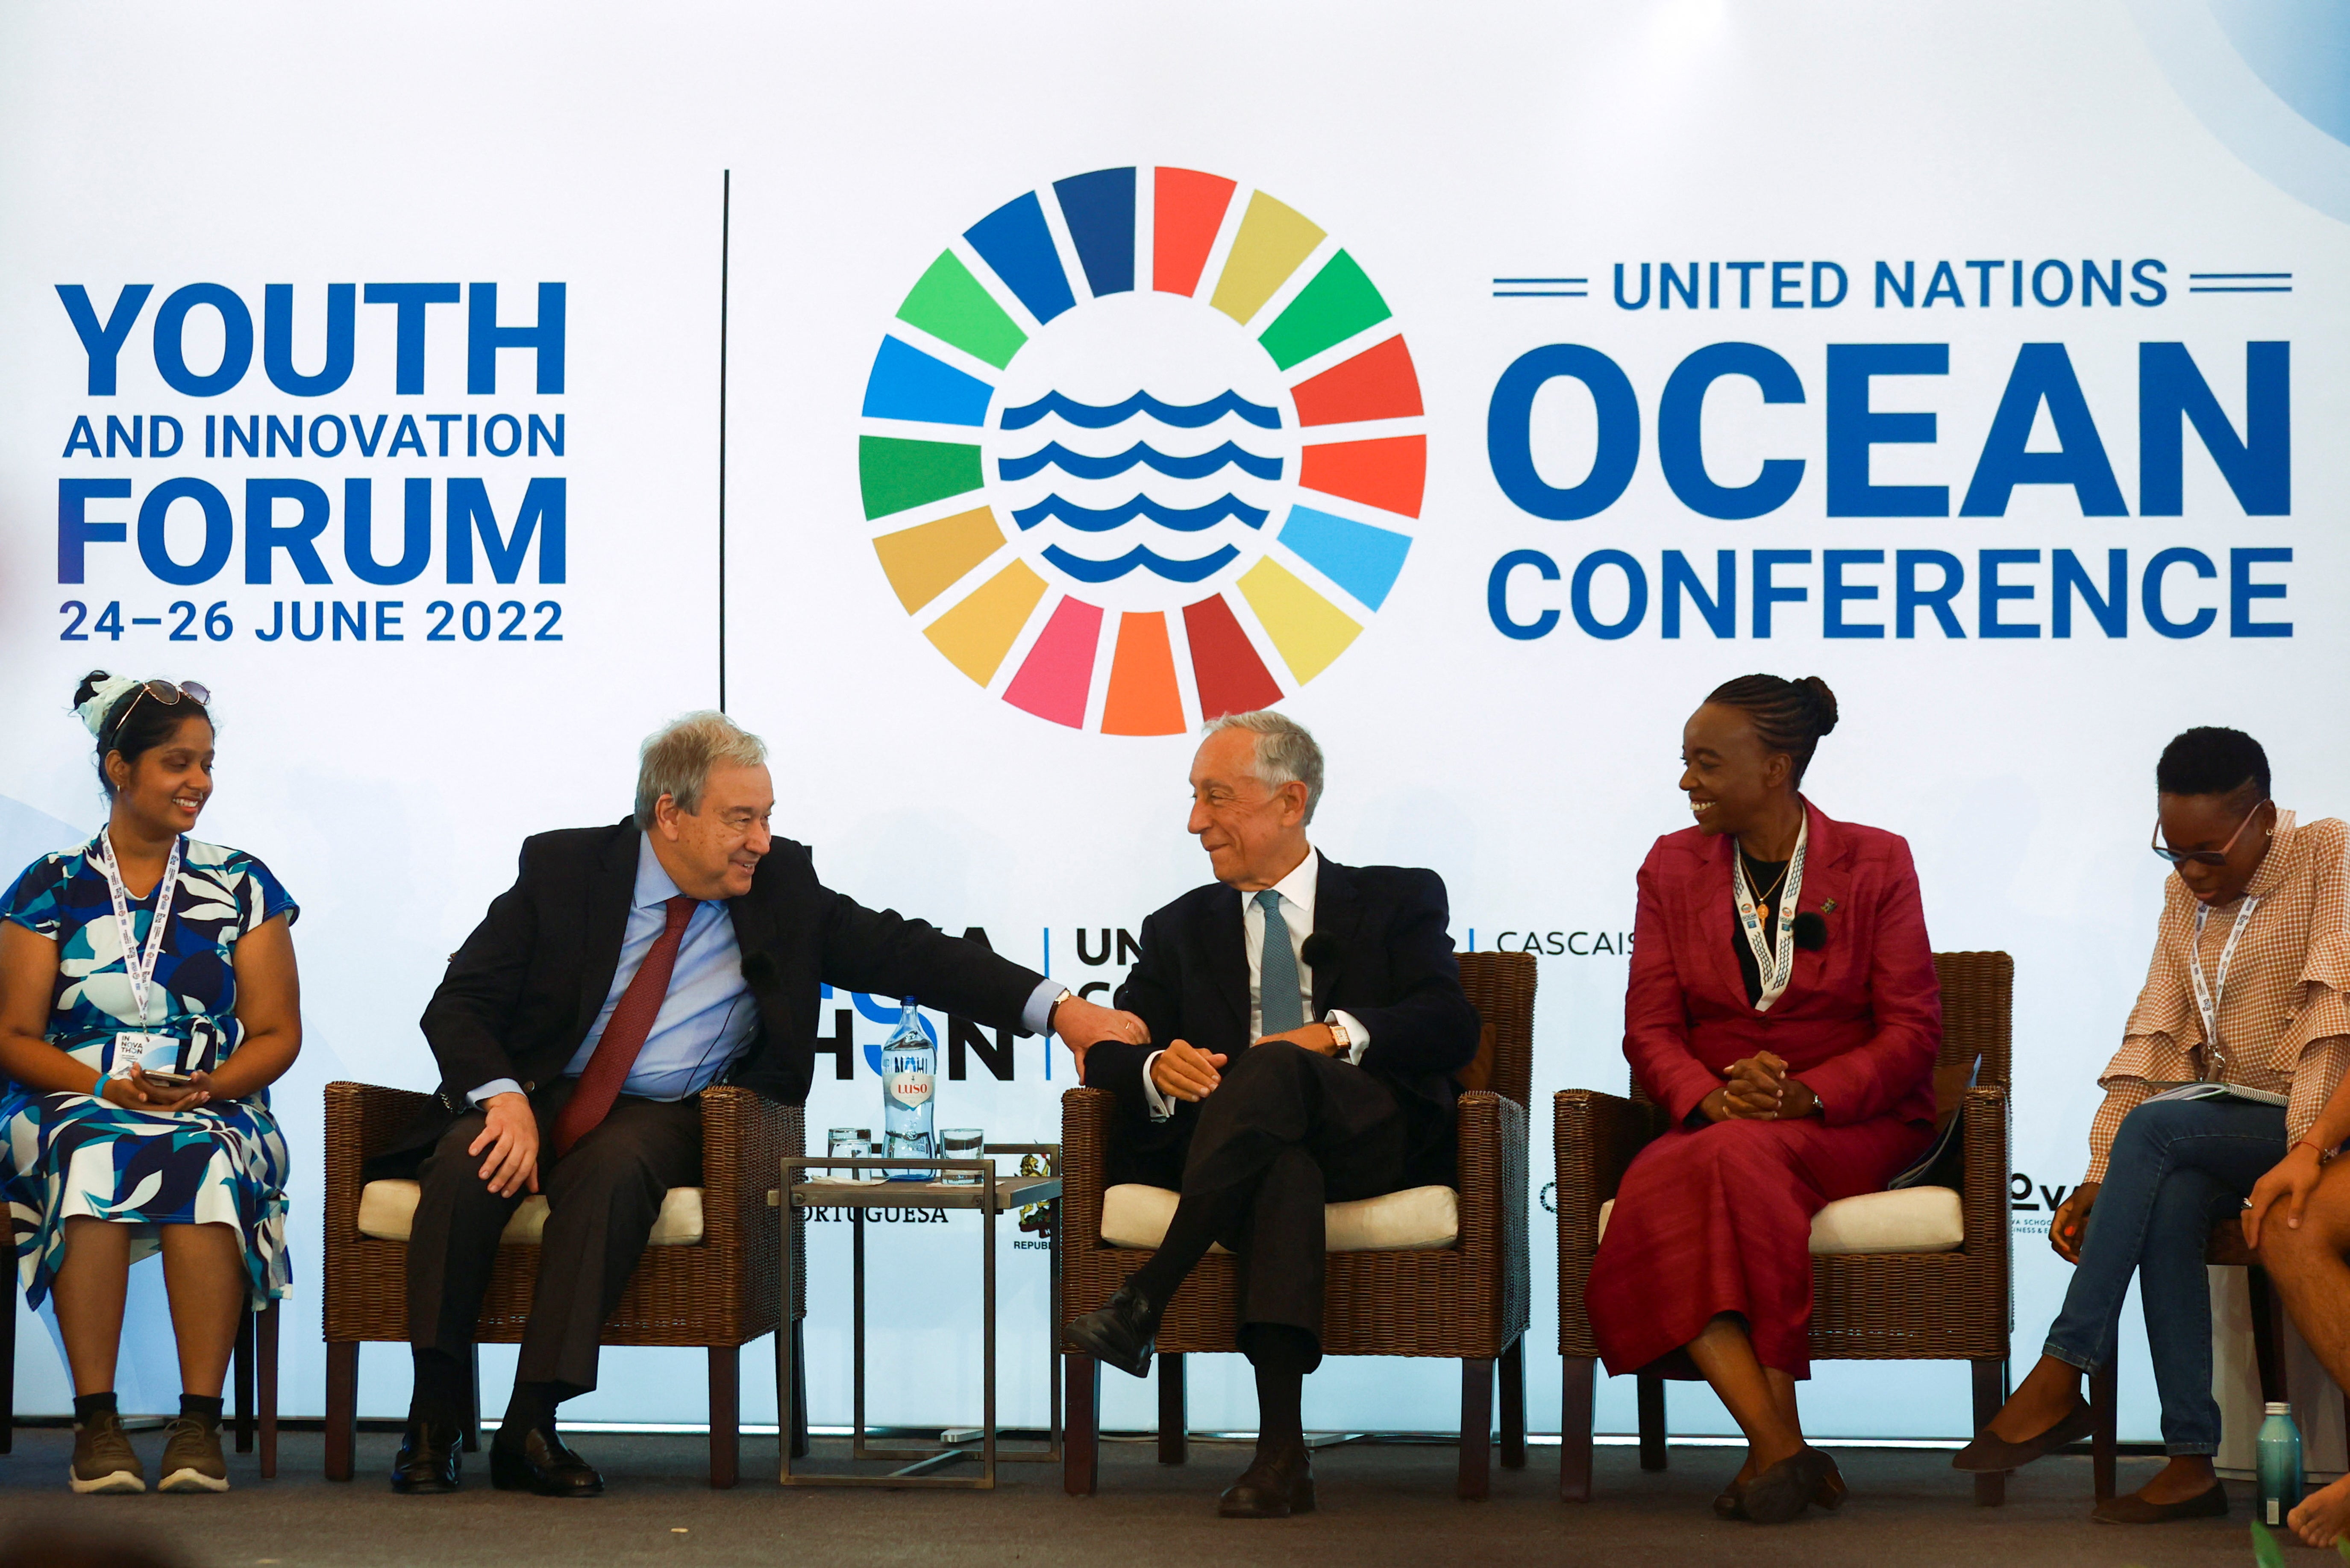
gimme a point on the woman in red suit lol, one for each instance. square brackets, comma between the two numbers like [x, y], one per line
[1784, 1010]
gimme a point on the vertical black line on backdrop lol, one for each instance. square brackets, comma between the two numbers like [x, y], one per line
[725, 248]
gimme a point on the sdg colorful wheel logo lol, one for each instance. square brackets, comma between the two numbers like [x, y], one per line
[1141, 450]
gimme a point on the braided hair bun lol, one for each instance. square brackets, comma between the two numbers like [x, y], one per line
[1789, 716]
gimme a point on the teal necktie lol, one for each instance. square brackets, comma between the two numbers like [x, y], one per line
[1283, 1008]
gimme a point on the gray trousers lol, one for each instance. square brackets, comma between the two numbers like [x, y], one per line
[602, 1199]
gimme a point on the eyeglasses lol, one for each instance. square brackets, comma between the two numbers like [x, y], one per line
[2201, 857]
[165, 693]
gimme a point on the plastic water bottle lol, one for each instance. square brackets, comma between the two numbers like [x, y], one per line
[2280, 1464]
[910, 1066]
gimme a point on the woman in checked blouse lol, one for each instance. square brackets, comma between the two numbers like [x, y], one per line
[2246, 994]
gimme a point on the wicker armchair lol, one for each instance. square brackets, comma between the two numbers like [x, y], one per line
[721, 1292]
[1899, 1306]
[1467, 1301]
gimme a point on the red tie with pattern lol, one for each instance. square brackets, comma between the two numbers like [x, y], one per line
[624, 1033]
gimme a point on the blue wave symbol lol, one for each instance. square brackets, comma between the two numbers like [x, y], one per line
[1086, 520]
[1098, 417]
[1173, 465]
[1143, 557]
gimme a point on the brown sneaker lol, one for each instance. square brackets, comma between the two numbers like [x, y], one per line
[102, 1457]
[193, 1460]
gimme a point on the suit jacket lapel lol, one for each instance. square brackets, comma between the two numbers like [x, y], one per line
[1338, 910]
[1227, 947]
[612, 886]
[1715, 905]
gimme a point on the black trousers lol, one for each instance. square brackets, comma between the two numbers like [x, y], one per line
[602, 1199]
[1292, 1129]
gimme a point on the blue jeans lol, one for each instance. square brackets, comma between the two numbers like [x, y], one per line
[2178, 1170]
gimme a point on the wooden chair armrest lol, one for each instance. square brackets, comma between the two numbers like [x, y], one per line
[1088, 1117]
[361, 1120]
[1594, 1138]
[1983, 1198]
[744, 1138]
[1489, 1131]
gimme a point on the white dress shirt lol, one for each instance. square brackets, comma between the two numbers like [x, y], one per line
[1297, 895]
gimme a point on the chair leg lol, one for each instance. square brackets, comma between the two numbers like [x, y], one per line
[726, 1415]
[265, 1374]
[1652, 1422]
[799, 1389]
[8, 1368]
[2268, 1333]
[1990, 1393]
[1081, 1443]
[241, 1360]
[1476, 1482]
[342, 1405]
[2105, 1397]
[1574, 1431]
[471, 1442]
[1514, 1405]
[1174, 1412]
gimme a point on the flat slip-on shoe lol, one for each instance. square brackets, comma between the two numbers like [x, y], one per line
[1828, 1495]
[2212, 1504]
[1785, 1489]
[1991, 1454]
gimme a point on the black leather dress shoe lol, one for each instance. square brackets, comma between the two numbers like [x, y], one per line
[1123, 1333]
[540, 1462]
[1276, 1486]
[428, 1458]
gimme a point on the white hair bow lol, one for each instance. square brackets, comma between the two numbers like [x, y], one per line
[108, 690]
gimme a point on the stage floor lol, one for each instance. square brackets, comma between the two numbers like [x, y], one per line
[1380, 1505]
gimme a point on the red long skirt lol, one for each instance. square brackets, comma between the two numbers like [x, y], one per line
[1719, 1220]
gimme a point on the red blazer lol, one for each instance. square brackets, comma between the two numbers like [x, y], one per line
[1861, 1019]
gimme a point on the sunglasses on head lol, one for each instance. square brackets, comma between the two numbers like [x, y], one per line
[2202, 856]
[163, 691]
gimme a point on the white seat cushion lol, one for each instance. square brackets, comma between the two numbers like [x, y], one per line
[1418, 1219]
[388, 1210]
[1914, 1219]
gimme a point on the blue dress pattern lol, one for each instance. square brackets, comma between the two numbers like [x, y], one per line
[76, 1155]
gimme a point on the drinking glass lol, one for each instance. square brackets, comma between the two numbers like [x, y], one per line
[850, 1143]
[961, 1143]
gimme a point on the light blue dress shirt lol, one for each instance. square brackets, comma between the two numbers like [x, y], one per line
[708, 1017]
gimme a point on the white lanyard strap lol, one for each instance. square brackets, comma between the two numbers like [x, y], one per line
[1774, 963]
[2207, 995]
[139, 965]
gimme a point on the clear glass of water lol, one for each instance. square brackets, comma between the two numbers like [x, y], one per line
[961, 1143]
[849, 1143]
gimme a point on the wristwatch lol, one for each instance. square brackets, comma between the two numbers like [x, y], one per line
[1338, 1032]
[1054, 1012]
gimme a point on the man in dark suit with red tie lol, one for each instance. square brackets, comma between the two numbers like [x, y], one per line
[628, 969]
[1306, 1020]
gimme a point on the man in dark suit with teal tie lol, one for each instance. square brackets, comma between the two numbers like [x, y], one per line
[1306, 1020]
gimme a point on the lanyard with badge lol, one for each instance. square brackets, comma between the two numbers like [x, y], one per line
[132, 1046]
[1774, 963]
[2207, 995]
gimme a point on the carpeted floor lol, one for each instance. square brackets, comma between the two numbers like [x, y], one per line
[1380, 1505]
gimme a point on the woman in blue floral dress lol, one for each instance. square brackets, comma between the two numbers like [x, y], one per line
[139, 1057]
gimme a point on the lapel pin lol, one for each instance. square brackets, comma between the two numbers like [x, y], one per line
[1827, 906]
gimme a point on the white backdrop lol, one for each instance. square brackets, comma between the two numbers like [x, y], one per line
[1445, 156]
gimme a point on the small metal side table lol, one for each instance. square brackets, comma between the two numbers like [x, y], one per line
[991, 1195]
